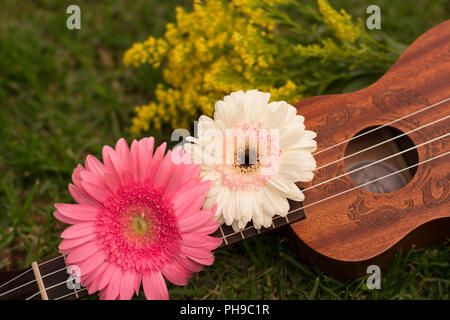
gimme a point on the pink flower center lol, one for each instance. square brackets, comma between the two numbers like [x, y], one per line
[139, 229]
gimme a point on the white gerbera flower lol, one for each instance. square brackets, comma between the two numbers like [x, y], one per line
[253, 152]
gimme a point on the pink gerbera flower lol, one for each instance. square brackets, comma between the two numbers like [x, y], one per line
[138, 218]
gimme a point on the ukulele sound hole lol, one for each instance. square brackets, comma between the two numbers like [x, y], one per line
[367, 166]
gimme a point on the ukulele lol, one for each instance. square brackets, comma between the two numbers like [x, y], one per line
[381, 183]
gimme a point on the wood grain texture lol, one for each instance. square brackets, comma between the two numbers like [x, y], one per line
[361, 227]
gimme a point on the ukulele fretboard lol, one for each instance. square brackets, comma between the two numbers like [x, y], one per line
[55, 280]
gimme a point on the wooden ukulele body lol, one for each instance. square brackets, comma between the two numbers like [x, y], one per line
[346, 234]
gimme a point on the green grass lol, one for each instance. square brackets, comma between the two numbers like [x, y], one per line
[64, 94]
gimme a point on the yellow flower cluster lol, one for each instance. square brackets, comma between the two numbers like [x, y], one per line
[351, 43]
[219, 47]
[223, 46]
[150, 51]
[341, 24]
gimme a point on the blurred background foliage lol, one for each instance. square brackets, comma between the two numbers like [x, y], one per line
[65, 93]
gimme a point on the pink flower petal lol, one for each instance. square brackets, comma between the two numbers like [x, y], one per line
[78, 211]
[160, 151]
[127, 177]
[119, 167]
[179, 156]
[96, 192]
[190, 264]
[137, 283]
[163, 174]
[83, 198]
[82, 252]
[199, 240]
[64, 219]
[107, 152]
[200, 255]
[94, 165]
[174, 182]
[113, 288]
[145, 158]
[106, 276]
[123, 154]
[134, 153]
[154, 286]
[190, 172]
[176, 273]
[93, 179]
[93, 279]
[191, 223]
[127, 284]
[156, 161]
[87, 282]
[79, 230]
[188, 202]
[88, 265]
[208, 228]
[121, 160]
[111, 181]
[67, 244]
[76, 175]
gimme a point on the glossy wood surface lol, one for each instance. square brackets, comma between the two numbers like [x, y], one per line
[358, 227]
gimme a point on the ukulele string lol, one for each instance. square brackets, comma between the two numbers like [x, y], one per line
[57, 285]
[25, 272]
[384, 125]
[372, 181]
[376, 162]
[32, 281]
[69, 294]
[382, 142]
[345, 191]
[328, 148]
[47, 289]
[295, 210]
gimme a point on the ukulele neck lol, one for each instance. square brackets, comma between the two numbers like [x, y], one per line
[229, 236]
[56, 281]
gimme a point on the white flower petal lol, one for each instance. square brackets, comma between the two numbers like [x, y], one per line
[279, 183]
